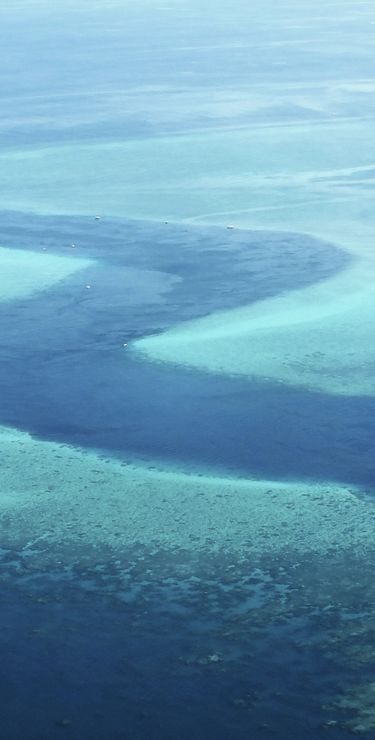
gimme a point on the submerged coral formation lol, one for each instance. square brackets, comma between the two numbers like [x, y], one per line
[359, 704]
[63, 494]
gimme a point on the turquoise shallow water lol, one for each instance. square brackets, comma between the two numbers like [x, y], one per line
[263, 167]
[187, 410]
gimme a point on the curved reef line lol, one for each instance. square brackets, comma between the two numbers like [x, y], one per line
[319, 337]
[107, 503]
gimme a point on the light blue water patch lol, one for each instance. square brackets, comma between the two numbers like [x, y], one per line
[23, 273]
[159, 178]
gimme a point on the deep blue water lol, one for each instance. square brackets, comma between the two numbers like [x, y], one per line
[80, 661]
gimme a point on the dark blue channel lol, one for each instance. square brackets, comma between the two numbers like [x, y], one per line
[65, 374]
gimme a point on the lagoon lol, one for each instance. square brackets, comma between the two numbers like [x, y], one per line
[186, 411]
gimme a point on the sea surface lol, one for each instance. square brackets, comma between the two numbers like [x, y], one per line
[187, 364]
